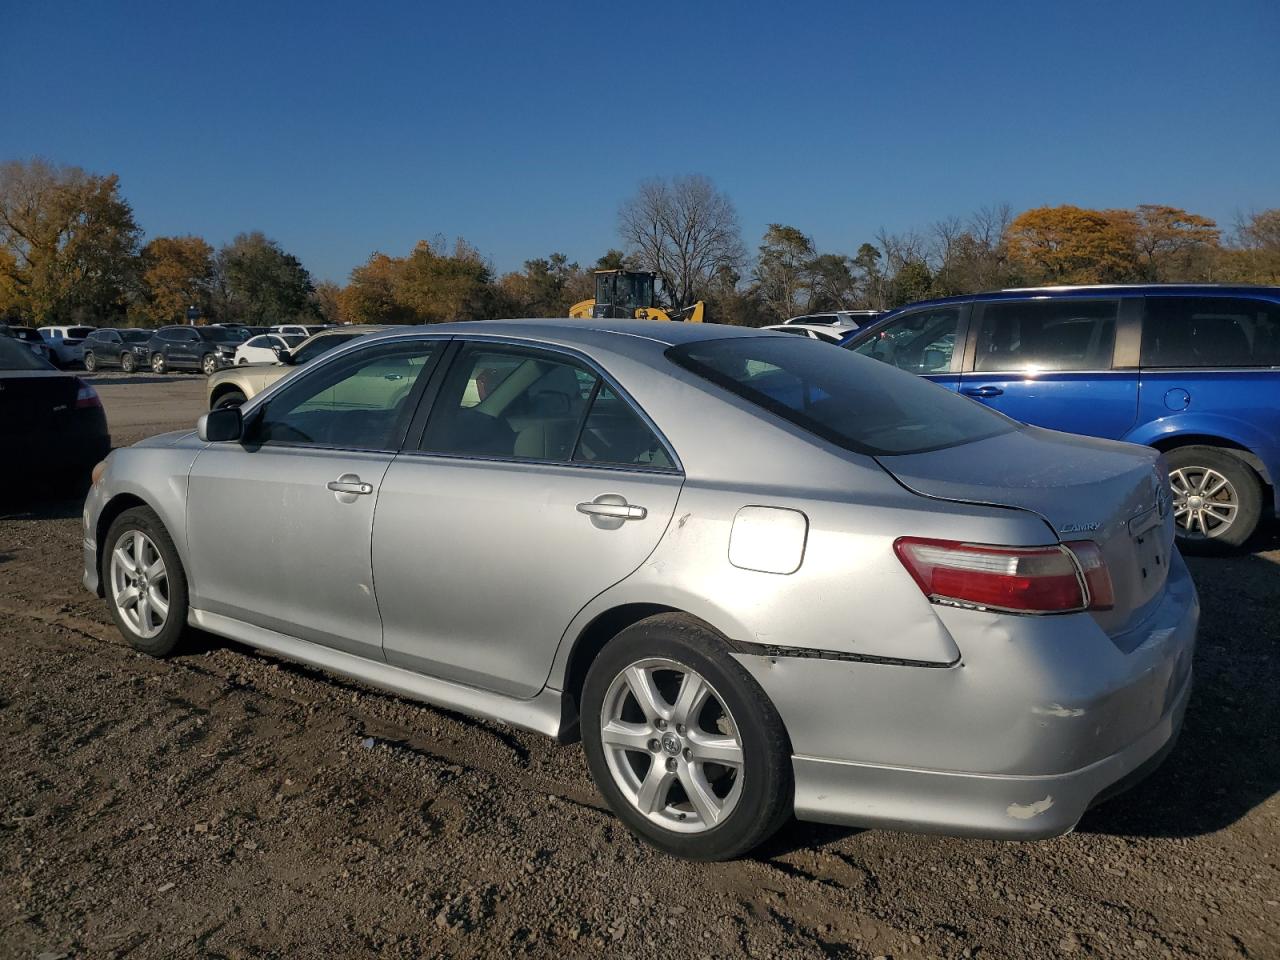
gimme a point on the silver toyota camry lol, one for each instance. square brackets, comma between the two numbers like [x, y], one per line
[756, 576]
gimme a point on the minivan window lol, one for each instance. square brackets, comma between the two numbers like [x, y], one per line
[1211, 332]
[839, 396]
[922, 341]
[1057, 334]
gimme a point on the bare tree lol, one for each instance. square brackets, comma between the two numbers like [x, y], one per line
[684, 230]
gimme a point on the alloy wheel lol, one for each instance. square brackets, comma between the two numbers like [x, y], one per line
[672, 746]
[139, 583]
[1205, 503]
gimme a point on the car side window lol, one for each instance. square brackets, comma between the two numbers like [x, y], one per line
[614, 433]
[919, 342]
[1211, 332]
[360, 402]
[511, 403]
[1062, 334]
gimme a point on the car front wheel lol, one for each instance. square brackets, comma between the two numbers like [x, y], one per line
[127, 363]
[683, 743]
[158, 363]
[209, 364]
[145, 582]
[90, 362]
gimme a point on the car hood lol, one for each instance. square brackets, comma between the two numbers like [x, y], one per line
[1116, 494]
[171, 439]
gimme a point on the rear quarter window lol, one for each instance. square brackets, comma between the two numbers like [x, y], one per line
[1211, 332]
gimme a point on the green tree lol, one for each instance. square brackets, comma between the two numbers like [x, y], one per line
[260, 284]
[782, 270]
[547, 287]
[70, 242]
[177, 272]
[439, 287]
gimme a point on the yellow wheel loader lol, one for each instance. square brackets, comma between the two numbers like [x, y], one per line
[626, 294]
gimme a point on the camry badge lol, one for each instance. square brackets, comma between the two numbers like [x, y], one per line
[1081, 527]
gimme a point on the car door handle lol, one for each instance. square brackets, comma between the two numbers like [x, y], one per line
[350, 483]
[987, 391]
[612, 506]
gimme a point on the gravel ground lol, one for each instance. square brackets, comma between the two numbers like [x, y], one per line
[228, 804]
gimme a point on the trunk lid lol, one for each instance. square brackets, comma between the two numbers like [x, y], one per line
[35, 402]
[1115, 494]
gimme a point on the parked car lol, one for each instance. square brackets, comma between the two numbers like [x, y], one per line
[231, 388]
[265, 348]
[843, 320]
[66, 343]
[811, 332]
[31, 338]
[52, 427]
[298, 329]
[559, 545]
[125, 347]
[207, 349]
[1193, 371]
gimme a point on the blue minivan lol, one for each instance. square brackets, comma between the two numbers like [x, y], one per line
[1193, 371]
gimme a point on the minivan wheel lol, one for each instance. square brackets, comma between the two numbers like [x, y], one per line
[682, 742]
[127, 363]
[209, 364]
[90, 362]
[1217, 498]
[145, 583]
[158, 363]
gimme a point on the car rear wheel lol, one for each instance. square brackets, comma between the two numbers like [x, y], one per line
[1217, 498]
[90, 361]
[683, 743]
[209, 364]
[145, 582]
[127, 363]
[158, 363]
[232, 398]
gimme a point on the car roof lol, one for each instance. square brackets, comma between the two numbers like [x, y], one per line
[1113, 289]
[570, 332]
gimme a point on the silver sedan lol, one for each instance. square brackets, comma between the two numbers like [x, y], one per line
[755, 575]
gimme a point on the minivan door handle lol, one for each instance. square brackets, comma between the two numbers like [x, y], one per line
[350, 483]
[609, 510]
[987, 391]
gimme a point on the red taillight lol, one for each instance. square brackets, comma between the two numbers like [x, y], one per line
[1016, 579]
[86, 396]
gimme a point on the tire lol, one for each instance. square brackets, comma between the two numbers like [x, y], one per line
[159, 364]
[1223, 521]
[163, 630]
[127, 363]
[90, 362]
[748, 800]
[232, 398]
[209, 364]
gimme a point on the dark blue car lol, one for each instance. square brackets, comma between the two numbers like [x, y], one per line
[1193, 371]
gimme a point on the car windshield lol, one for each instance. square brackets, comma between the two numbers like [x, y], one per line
[14, 355]
[322, 345]
[856, 403]
[221, 335]
[135, 336]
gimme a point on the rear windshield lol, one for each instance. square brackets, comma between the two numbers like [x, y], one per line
[16, 355]
[857, 403]
[79, 332]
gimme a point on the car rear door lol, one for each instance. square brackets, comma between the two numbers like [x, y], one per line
[1066, 363]
[536, 485]
[279, 524]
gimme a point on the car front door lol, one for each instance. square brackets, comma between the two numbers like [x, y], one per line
[925, 342]
[536, 485]
[279, 523]
[1051, 362]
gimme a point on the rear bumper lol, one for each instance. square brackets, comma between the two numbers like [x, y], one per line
[1038, 720]
[977, 805]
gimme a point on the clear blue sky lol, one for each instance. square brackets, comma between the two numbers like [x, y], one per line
[340, 129]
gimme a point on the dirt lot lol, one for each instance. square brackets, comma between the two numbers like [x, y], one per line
[228, 804]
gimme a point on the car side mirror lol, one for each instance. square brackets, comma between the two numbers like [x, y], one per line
[220, 426]
[283, 355]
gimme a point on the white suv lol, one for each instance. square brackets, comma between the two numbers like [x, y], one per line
[66, 343]
[844, 320]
